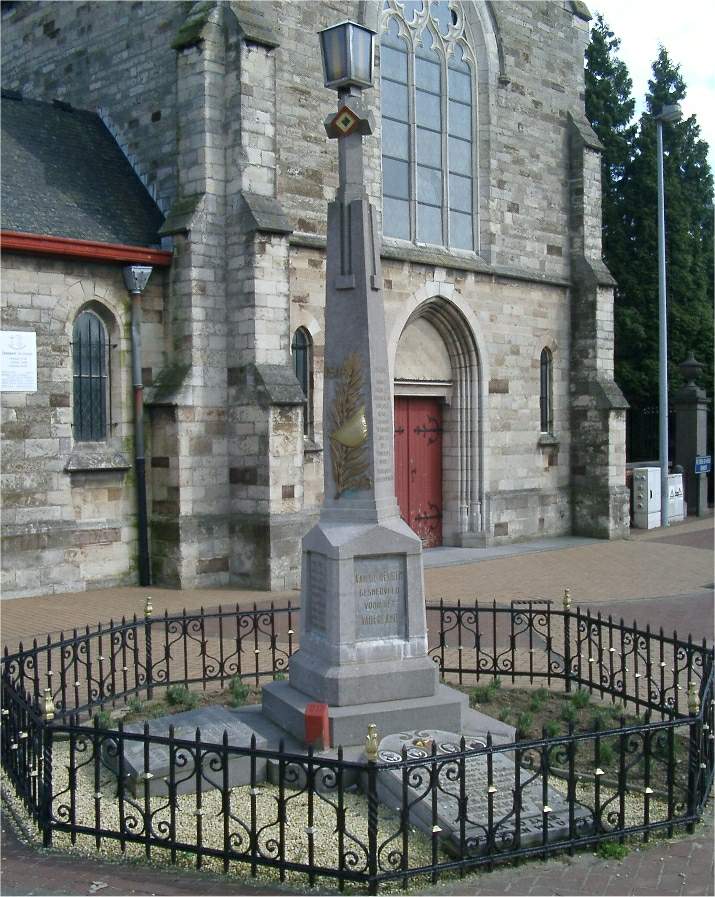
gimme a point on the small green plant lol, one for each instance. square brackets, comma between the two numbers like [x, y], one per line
[607, 754]
[611, 850]
[552, 728]
[180, 696]
[485, 694]
[239, 692]
[569, 713]
[102, 719]
[482, 694]
[135, 704]
[524, 722]
[279, 677]
[505, 715]
[538, 699]
[580, 699]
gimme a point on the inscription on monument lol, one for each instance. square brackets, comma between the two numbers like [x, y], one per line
[380, 595]
[317, 588]
[383, 428]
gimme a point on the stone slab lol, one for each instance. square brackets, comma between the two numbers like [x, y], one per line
[285, 706]
[211, 721]
[531, 822]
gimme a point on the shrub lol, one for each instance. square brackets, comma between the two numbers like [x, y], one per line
[102, 719]
[569, 713]
[524, 722]
[485, 694]
[505, 715]
[180, 696]
[135, 704]
[607, 755]
[580, 699]
[552, 728]
[538, 699]
[482, 694]
[279, 677]
[611, 850]
[239, 692]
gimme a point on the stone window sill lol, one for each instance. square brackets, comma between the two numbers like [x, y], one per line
[548, 440]
[96, 457]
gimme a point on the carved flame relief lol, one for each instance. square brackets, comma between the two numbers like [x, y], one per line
[349, 429]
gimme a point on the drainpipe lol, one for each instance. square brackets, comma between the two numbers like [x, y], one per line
[135, 279]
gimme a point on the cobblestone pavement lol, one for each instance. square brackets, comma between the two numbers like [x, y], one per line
[661, 579]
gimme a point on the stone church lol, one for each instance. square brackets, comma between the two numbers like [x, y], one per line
[189, 138]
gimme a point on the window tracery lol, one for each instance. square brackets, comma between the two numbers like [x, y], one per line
[428, 131]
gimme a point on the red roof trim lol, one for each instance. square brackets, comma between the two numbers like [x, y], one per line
[84, 249]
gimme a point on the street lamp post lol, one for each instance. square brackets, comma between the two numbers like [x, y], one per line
[670, 113]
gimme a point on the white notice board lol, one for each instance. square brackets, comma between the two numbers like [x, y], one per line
[18, 361]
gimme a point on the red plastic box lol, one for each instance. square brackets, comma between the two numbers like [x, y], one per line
[317, 726]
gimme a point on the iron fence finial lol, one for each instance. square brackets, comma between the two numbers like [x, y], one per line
[48, 706]
[567, 599]
[148, 607]
[371, 743]
[693, 700]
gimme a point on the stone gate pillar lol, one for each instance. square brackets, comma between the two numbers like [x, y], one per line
[691, 420]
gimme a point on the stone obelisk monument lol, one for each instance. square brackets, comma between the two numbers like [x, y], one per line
[363, 638]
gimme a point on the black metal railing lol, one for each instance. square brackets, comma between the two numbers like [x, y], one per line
[317, 815]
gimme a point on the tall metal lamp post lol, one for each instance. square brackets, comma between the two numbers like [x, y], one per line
[671, 113]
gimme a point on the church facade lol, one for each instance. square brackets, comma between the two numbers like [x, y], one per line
[499, 316]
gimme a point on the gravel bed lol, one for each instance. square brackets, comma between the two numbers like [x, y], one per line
[296, 822]
[211, 821]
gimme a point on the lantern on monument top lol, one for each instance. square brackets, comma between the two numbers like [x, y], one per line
[348, 51]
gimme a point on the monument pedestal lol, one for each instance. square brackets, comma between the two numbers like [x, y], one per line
[363, 642]
[285, 706]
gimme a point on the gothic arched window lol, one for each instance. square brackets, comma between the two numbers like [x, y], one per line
[301, 349]
[428, 162]
[90, 372]
[546, 401]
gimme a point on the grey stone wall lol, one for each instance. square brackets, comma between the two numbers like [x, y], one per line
[69, 508]
[225, 126]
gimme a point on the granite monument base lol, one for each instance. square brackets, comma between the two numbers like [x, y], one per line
[363, 635]
[444, 709]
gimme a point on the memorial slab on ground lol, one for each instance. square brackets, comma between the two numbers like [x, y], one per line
[538, 811]
[211, 722]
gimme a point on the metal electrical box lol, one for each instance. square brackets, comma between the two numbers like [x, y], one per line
[646, 497]
[676, 498]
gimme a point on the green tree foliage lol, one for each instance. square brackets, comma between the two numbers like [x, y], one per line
[689, 245]
[630, 244]
[609, 109]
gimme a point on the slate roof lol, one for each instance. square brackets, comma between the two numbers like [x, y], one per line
[64, 175]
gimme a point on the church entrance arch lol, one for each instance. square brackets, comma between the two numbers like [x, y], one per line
[438, 433]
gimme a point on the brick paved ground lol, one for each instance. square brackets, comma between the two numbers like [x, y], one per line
[656, 578]
[683, 866]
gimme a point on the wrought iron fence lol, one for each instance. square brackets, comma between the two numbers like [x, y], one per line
[407, 813]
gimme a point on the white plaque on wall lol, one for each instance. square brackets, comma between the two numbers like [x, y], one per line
[18, 361]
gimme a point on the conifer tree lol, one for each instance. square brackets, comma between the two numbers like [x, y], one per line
[689, 247]
[609, 109]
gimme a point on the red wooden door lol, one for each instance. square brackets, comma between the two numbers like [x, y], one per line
[418, 466]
